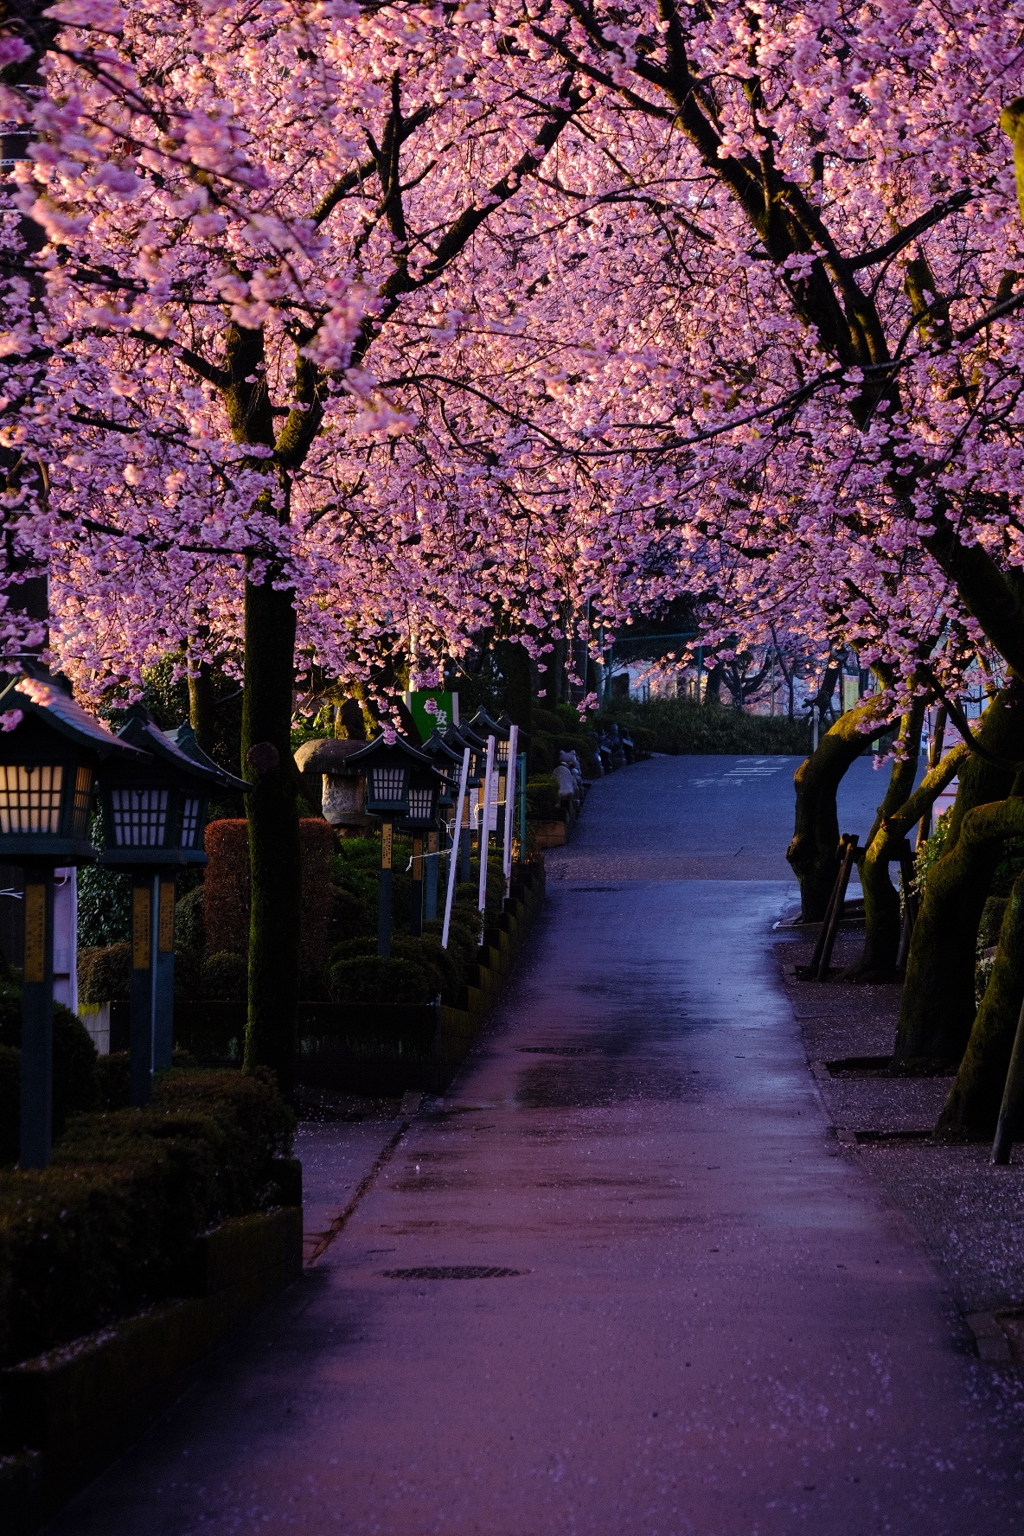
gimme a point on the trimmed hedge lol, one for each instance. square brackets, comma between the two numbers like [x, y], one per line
[110, 1225]
[74, 1067]
[679, 726]
[226, 891]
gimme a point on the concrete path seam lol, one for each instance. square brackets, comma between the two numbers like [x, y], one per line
[337, 1225]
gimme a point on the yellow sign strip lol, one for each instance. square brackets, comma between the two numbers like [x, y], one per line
[141, 919]
[166, 925]
[385, 845]
[35, 933]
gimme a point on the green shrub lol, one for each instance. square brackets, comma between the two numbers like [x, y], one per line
[108, 1226]
[104, 905]
[463, 943]
[189, 932]
[680, 726]
[113, 1081]
[74, 1068]
[355, 915]
[104, 975]
[931, 850]
[383, 982]
[225, 977]
[543, 801]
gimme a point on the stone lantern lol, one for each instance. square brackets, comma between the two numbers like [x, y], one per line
[339, 789]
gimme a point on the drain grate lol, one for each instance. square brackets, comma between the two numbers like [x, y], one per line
[554, 1050]
[452, 1272]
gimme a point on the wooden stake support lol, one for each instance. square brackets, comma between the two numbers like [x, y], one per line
[821, 961]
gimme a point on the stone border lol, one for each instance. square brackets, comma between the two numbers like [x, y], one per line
[66, 1414]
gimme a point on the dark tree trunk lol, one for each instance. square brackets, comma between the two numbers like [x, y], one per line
[272, 807]
[516, 668]
[812, 852]
[349, 722]
[937, 1006]
[881, 900]
[972, 1108]
[202, 706]
[937, 1009]
[713, 686]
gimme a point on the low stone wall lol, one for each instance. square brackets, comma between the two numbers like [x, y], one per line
[66, 1414]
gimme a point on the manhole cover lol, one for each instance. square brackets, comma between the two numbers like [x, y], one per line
[451, 1272]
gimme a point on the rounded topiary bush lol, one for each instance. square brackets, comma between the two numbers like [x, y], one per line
[225, 977]
[104, 975]
[372, 979]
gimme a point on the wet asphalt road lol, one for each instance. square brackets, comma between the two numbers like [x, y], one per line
[713, 1326]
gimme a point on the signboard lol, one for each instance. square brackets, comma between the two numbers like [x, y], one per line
[851, 691]
[443, 710]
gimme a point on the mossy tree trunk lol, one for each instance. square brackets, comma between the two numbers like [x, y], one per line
[894, 823]
[972, 1107]
[881, 900]
[202, 706]
[937, 1009]
[272, 807]
[812, 851]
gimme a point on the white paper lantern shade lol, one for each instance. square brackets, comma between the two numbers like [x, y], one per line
[191, 822]
[139, 817]
[387, 787]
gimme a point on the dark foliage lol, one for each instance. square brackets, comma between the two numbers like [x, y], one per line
[106, 1229]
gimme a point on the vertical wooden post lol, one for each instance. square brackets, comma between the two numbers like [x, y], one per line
[452, 857]
[141, 989]
[485, 824]
[163, 974]
[830, 927]
[430, 875]
[465, 843]
[36, 1105]
[416, 894]
[510, 801]
[384, 888]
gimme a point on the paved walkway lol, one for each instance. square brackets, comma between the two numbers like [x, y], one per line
[692, 1315]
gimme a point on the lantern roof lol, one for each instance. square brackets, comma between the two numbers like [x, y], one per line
[328, 754]
[483, 724]
[380, 747]
[465, 736]
[507, 724]
[48, 699]
[437, 747]
[182, 740]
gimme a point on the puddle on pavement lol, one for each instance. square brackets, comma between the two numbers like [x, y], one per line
[593, 1082]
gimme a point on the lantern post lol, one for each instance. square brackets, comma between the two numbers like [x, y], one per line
[458, 738]
[50, 753]
[388, 766]
[155, 807]
[448, 764]
[421, 821]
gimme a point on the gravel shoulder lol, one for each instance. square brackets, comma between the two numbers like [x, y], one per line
[969, 1214]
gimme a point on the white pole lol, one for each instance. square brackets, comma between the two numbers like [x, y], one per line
[485, 822]
[453, 852]
[510, 801]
